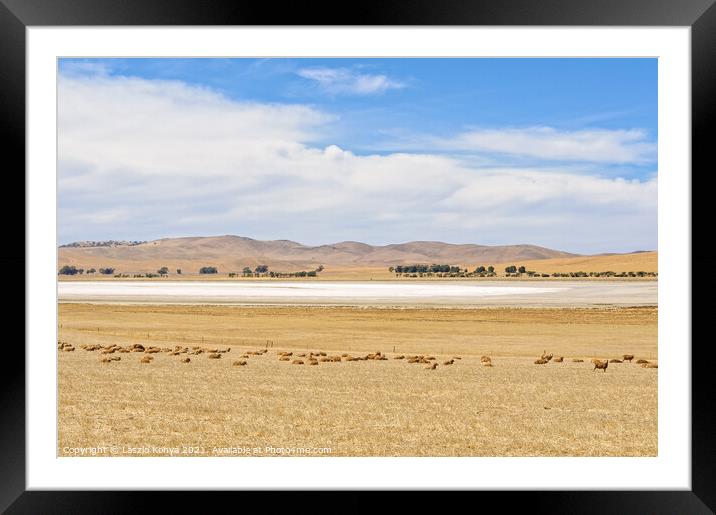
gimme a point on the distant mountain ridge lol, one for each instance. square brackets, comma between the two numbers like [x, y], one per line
[234, 252]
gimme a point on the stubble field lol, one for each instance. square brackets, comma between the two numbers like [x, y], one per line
[359, 408]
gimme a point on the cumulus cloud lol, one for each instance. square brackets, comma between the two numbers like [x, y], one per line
[141, 159]
[593, 145]
[346, 81]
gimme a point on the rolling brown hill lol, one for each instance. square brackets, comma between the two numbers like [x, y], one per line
[232, 253]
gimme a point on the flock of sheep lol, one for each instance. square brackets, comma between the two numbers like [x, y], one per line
[599, 364]
[108, 355]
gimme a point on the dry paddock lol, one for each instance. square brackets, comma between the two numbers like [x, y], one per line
[362, 408]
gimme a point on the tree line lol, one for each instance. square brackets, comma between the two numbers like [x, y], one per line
[259, 271]
[441, 270]
[73, 270]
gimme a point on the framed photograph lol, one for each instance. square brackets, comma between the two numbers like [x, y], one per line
[438, 248]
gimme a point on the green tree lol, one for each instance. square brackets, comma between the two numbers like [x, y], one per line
[68, 270]
[163, 271]
[512, 269]
[178, 271]
[522, 269]
[208, 270]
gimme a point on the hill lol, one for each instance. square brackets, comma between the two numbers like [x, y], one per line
[232, 253]
[646, 261]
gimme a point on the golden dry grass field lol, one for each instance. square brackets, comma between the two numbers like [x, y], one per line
[359, 408]
[641, 261]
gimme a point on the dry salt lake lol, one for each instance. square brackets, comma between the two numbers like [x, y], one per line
[366, 293]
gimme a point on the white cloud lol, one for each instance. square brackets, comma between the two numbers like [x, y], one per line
[346, 81]
[593, 145]
[142, 159]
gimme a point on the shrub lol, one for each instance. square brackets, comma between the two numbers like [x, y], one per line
[208, 270]
[106, 271]
[68, 270]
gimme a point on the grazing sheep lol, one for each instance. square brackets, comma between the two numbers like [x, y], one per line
[456, 357]
[301, 355]
[105, 360]
[615, 361]
[145, 359]
[212, 351]
[313, 362]
[239, 363]
[540, 361]
[641, 361]
[602, 365]
[344, 355]
[244, 355]
[324, 354]
[297, 362]
[487, 364]
[628, 357]
[325, 360]
[485, 359]
[649, 365]
[450, 362]
[115, 358]
[107, 351]
[432, 367]
[186, 360]
[559, 359]
[69, 349]
[577, 360]
[284, 358]
[399, 357]
[214, 356]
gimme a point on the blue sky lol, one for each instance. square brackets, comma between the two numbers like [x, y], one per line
[375, 150]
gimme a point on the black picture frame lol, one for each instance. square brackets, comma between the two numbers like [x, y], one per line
[16, 15]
